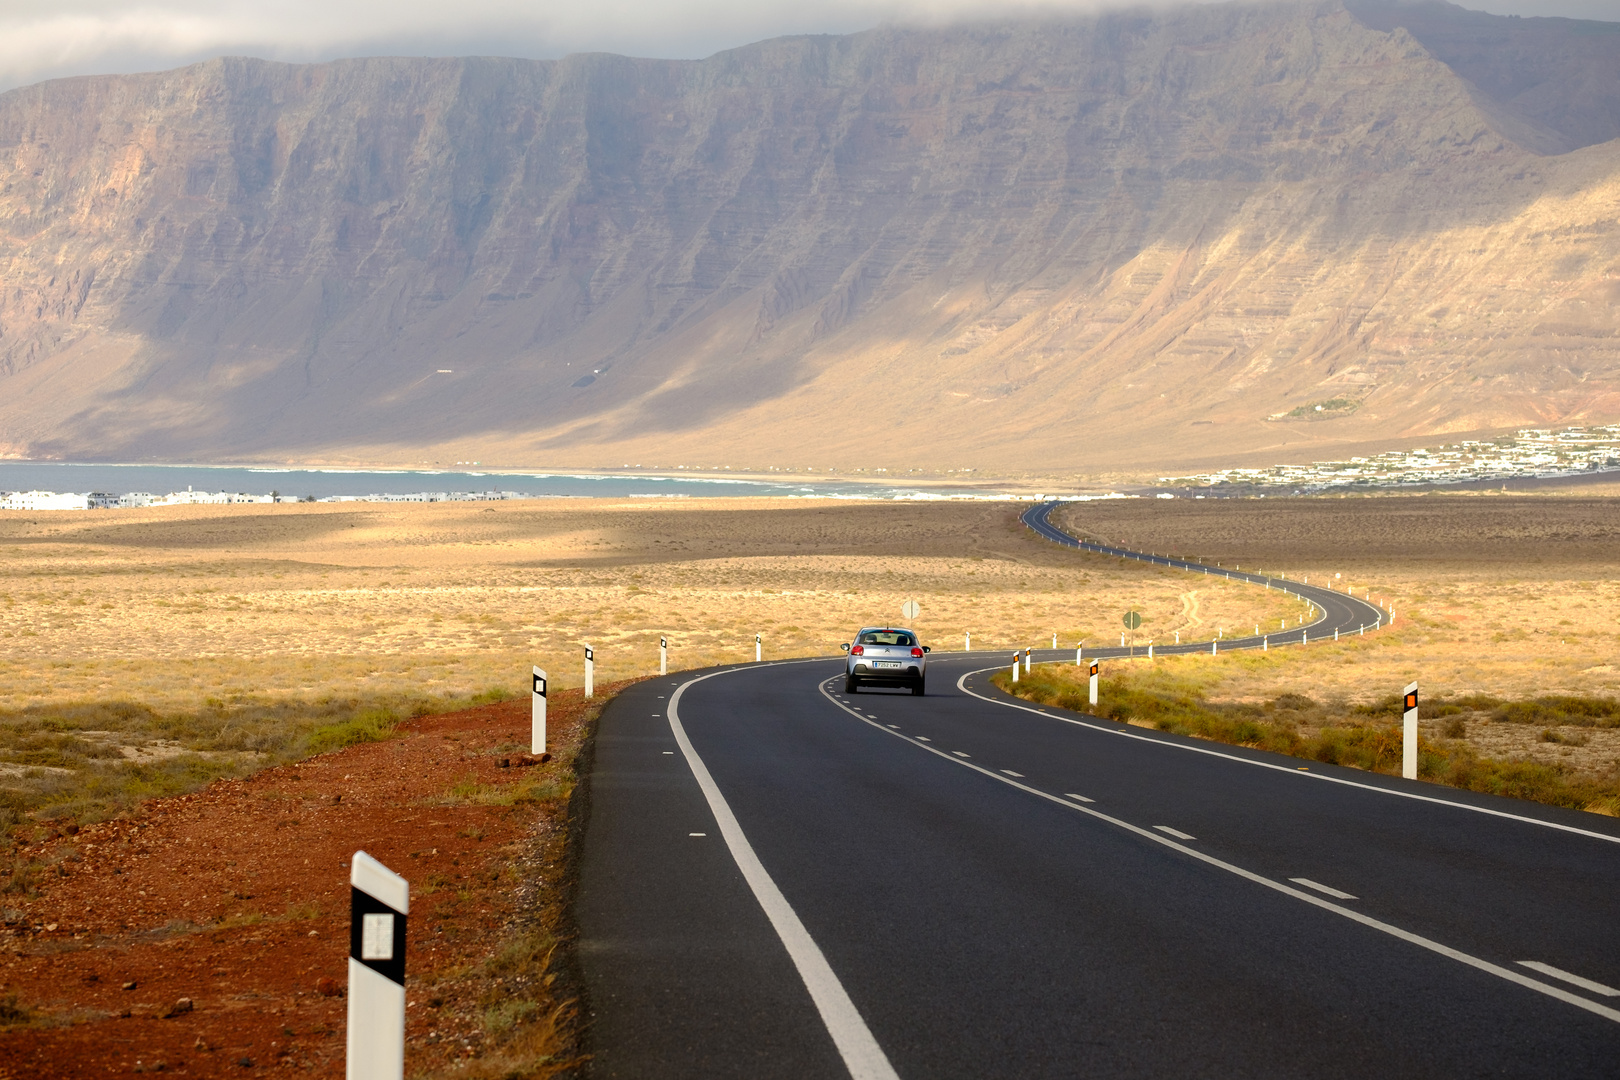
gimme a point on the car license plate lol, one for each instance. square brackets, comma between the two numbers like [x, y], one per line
[886, 664]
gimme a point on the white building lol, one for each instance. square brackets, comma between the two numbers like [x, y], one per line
[44, 500]
[206, 498]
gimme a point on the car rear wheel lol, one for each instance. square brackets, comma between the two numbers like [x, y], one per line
[849, 685]
[917, 690]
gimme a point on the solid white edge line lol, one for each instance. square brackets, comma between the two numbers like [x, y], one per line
[1339, 894]
[961, 684]
[1573, 980]
[1249, 875]
[862, 1055]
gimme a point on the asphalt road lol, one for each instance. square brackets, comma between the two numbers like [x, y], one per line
[1338, 612]
[780, 879]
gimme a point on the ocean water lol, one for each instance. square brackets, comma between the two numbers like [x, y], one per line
[326, 483]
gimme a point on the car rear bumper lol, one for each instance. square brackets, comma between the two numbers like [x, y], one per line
[905, 676]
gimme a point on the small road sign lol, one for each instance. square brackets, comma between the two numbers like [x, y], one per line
[1132, 620]
[909, 609]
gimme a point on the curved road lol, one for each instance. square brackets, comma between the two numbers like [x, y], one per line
[779, 879]
[1340, 613]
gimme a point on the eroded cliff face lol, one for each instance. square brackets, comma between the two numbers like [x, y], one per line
[1129, 240]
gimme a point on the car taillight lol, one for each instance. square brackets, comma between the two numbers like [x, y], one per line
[916, 652]
[859, 650]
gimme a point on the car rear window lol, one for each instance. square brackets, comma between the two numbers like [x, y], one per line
[887, 637]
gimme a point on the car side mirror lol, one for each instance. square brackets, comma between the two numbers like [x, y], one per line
[927, 649]
[845, 646]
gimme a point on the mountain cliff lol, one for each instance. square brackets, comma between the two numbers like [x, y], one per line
[1141, 240]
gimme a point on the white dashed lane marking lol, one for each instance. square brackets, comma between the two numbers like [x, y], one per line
[1177, 833]
[1326, 890]
[959, 753]
[1009, 772]
[1078, 798]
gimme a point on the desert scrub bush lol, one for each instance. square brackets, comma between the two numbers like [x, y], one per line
[1362, 737]
[1560, 710]
[527, 790]
[87, 761]
[13, 1012]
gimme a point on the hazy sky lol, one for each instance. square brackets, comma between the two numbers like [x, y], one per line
[45, 38]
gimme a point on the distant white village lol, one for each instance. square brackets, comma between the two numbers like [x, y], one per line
[101, 500]
[1532, 452]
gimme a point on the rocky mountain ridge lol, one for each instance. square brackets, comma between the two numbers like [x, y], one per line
[1140, 240]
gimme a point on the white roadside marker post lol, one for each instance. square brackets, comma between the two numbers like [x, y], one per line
[1093, 683]
[757, 649]
[1078, 651]
[1214, 647]
[1304, 637]
[663, 656]
[1015, 667]
[1265, 643]
[967, 641]
[379, 900]
[1027, 652]
[537, 714]
[590, 672]
[1178, 637]
[1054, 641]
[1150, 650]
[1409, 732]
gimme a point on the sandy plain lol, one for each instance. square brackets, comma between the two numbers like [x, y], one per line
[1513, 596]
[144, 653]
[175, 606]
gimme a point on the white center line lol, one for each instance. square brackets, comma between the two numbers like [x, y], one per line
[1177, 833]
[1009, 772]
[697, 834]
[669, 752]
[963, 685]
[959, 753]
[1325, 889]
[1078, 798]
[924, 738]
[1507, 974]
[896, 727]
[1573, 980]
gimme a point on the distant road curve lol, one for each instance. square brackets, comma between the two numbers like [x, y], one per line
[1341, 612]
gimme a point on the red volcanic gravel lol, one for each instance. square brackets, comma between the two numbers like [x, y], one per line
[209, 934]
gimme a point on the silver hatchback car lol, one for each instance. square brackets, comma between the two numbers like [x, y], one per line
[885, 656]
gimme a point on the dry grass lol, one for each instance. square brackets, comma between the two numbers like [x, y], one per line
[148, 652]
[176, 606]
[1170, 696]
[66, 765]
[1502, 597]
